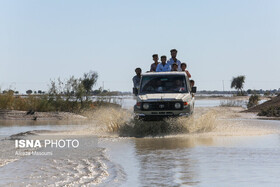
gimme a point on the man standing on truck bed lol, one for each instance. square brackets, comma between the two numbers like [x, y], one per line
[155, 64]
[184, 68]
[163, 66]
[173, 59]
[136, 80]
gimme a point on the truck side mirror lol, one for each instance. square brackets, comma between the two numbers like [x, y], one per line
[194, 89]
[135, 91]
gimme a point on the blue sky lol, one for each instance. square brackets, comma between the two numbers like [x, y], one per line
[43, 40]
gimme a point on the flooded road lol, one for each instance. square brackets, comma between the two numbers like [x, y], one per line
[216, 147]
[198, 161]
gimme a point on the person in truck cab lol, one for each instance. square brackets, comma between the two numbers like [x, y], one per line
[154, 86]
[158, 86]
[184, 68]
[163, 66]
[178, 87]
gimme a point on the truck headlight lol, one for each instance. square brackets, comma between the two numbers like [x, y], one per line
[177, 105]
[146, 106]
[138, 105]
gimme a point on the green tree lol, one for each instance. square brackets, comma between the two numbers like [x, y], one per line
[238, 83]
[96, 92]
[249, 91]
[29, 92]
[88, 81]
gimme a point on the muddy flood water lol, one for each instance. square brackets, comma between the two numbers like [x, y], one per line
[217, 146]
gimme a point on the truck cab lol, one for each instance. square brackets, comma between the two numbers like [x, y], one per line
[164, 94]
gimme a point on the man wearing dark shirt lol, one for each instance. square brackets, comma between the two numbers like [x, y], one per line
[136, 80]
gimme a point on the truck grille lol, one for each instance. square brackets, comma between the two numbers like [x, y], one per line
[162, 106]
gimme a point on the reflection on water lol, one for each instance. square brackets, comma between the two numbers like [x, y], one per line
[170, 143]
[167, 161]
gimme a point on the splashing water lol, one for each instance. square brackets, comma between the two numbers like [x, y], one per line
[215, 121]
[108, 119]
[120, 121]
[198, 123]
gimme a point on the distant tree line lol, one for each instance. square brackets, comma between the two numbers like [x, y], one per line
[238, 84]
[246, 92]
[81, 88]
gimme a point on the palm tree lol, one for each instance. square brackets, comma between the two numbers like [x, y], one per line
[238, 83]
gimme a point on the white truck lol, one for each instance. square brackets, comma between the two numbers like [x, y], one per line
[164, 94]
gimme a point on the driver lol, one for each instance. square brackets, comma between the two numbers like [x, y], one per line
[158, 87]
[155, 86]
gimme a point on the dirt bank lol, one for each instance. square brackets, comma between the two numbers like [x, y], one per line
[274, 102]
[267, 110]
[214, 97]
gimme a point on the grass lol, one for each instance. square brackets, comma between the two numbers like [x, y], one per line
[47, 103]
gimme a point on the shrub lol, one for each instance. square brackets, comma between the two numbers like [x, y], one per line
[253, 100]
[270, 112]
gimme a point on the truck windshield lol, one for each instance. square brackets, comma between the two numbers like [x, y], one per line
[163, 84]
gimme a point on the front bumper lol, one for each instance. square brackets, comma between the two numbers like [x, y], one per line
[162, 113]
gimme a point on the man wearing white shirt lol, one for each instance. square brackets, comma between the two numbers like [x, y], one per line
[173, 59]
[163, 66]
